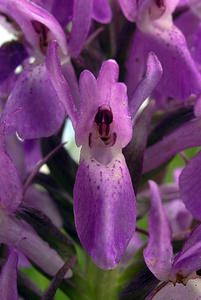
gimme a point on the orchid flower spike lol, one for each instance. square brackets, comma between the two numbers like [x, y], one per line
[104, 200]
[159, 255]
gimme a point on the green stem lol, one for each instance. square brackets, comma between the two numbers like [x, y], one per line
[101, 285]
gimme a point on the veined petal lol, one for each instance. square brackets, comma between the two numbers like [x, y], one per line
[101, 11]
[104, 208]
[8, 278]
[190, 186]
[33, 108]
[188, 259]
[82, 12]
[148, 83]
[170, 47]
[25, 12]
[158, 254]
[59, 82]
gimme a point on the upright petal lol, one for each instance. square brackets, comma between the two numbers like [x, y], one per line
[190, 186]
[104, 92]
[158, 254]
[33, 108]
[104, 208]
[188, 259]
[147, 85]
[59, 82]
[8, 278]
[82, 13]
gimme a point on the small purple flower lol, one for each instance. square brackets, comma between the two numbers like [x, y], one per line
[158, 254]
[156, 32]
[104, 200]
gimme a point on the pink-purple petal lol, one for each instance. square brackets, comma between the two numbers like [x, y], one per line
[188, 260]
[33, 108]
[24, 12]
[21, 236]
[88, 106]
[158, 254]
[59, 82]
[82, 11]
[104, 208]
[170, 47]
[11, 55]
[147, 85]
[179, 218]
[102, 11]
[10, 184]
[190, 186]
[185, 137]
[8, 278]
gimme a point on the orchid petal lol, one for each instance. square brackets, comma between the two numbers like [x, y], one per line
[170, 47]
[179, 218]
[107, 76]
[105, 91]
[159, 253]
[59, 82]
[129, 8]
[186, 136]
[146, 86]
[8, 278]
[81, 22]
[190, 186]
[21, 236]
[88, 107]
[33, 108]
[104, 209]
[188, 259]
[24, 12]
[101, 11]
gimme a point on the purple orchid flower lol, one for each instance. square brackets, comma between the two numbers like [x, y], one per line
[15, 233]
[158, 254]
[156, 32]
[104, 200]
